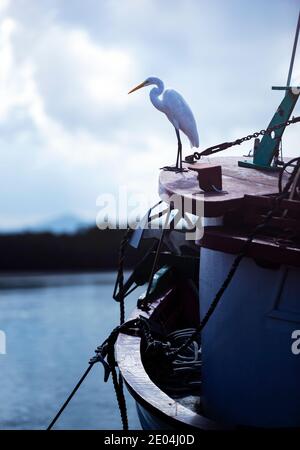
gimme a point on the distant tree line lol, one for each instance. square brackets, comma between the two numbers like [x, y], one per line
[91, 249]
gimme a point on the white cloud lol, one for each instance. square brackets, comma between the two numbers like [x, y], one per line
[89, 78]
[86, 76]
[4, 5]
[11, 79]
[81, 74]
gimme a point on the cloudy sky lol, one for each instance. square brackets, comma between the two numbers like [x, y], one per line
[68, 130]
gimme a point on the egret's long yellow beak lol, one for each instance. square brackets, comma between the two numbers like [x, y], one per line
[139, 86]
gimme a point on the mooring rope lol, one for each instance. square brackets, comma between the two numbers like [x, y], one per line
[105, 350]
[119, 285]
[117, 381]
[61, 410]
[236, 264]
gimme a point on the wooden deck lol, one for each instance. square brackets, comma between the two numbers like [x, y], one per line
[237, 182]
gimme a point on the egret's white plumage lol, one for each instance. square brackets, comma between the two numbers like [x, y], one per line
[176, 109]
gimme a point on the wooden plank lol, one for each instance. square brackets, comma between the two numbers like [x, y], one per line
[267, 249]
[267, 202]
[253, 218]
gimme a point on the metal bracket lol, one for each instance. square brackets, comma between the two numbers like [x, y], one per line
[268, 147]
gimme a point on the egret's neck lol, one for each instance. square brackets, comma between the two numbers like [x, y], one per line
[155, 93]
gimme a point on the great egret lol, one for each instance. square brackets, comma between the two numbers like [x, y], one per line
[177, 111]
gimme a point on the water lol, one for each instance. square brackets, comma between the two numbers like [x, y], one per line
[52, 324]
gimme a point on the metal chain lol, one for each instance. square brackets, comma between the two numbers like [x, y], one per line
[219, 147]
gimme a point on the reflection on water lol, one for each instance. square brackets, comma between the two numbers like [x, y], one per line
[52, 324]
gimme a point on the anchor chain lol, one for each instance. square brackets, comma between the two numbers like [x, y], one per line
[220, 147]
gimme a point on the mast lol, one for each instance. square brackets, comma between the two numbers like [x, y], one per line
[288, 83]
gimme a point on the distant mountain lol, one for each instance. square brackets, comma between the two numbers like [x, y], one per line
[68, 223]
[64, 224]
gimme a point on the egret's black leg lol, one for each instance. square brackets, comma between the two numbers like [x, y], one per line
[178, 166]
[179, 151]
[177, 159]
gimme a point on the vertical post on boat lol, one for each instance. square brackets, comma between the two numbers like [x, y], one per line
[288, 82]
[265, 156]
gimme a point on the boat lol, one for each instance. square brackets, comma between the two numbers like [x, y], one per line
[246, 345]
[214, 342]
[221, 315]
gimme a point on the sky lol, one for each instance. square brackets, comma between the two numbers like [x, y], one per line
[69, 132]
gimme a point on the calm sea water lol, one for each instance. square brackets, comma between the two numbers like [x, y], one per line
[52, 324]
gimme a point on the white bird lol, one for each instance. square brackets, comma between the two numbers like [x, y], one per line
[177, 111]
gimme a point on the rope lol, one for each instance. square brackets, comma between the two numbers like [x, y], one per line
[144, 304]
[119, 285]
[291, 162]
[54, 420]
[173, 354]
[117, 381]
[106, 349]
